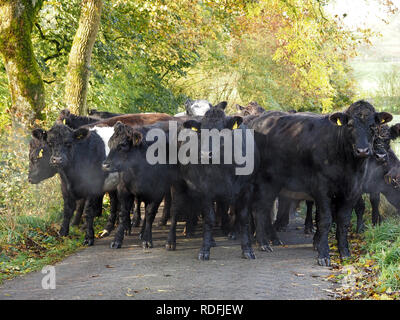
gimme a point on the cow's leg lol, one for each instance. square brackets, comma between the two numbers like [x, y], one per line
[375, 200]
[125, 200]
[208, 223]
[113, 214]
[282, 217]
[359, 209]
[150, 214]
[263, 202]
[343, 218]
[190, 226]
[69, 208]
[242, 214]
[92, 206]
[166, 214]
[324, 222]
[178, 202]
[136, 213]
[308, 225]
[80, 205]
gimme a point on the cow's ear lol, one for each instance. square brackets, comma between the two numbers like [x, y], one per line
[137, 138]
[383, 117]
[339, 119]
[222, 105]
[188, 103]
[395, 131]
[192, 125]
[233, 122]
[239, 107]
[81, 133]
[39, 134]
[92, 112]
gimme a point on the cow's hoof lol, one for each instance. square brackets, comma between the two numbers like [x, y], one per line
[324, 262]
[170, 246]
[204, 255]
[360, 229]
[308, 230]
[63, 233]
[116, 245]
[277, 242]
[88, 242]
[266, 247]
[104, 233]
[147, 244]
[248, 254]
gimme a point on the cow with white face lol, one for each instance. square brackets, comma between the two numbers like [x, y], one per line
[195, 108]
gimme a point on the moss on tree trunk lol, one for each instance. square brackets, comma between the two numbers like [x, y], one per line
[25, 82]
[80, 56]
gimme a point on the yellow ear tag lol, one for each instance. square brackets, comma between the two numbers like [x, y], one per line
[195, 129]
[235, 126]
[64, 122]
[339, 123]
[40, 154]
[383, 121]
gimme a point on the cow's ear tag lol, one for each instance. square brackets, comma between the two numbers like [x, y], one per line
[195, 129]
[64, 122]
[383, 121]
[235, 126]
[40, 154]
[339, 123]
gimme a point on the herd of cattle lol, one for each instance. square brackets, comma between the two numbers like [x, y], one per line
[328, 160]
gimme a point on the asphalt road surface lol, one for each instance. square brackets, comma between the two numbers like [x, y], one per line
[98, 272]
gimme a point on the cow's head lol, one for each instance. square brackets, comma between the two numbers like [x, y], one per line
[359, 122]
[395, 131]
[61, 140]
[216, 120]
[122, 143]
[381, 144]
[39, 158]
[253, 108]
[200, 107]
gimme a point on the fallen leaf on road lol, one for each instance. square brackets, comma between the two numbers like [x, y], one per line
[108, 266]
[299, 274]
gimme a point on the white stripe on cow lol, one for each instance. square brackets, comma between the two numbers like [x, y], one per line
[105, 134]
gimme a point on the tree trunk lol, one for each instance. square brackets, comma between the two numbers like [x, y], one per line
[80, 56]
[25, 82]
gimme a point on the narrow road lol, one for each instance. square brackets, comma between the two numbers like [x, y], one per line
[98, 272]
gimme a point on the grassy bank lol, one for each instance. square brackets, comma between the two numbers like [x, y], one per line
[373, 272]
[29, 214]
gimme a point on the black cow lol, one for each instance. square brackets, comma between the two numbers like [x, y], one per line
[205, 184]
[381, 165]
[323, 156]
[150, 182]
[74, 121]
[102, 114]
[78, 156]
[40, 168]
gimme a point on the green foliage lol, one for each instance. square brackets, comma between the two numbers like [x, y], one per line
[382, 245]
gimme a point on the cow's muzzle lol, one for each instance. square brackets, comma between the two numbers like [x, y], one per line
[56, 161]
